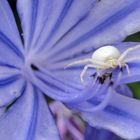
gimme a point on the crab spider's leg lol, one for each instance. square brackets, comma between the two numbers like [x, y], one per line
[128, 69]
[79, 62]
[84, 71]
[132, 59]
[84, 61]
[89, 66]
[124, 54]
[98, 71]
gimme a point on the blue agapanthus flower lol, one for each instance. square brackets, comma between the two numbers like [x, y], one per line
[56, 33]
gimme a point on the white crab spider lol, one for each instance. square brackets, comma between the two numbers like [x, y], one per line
[106, 57]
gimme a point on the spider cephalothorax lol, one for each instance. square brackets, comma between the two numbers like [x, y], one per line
[106, 57]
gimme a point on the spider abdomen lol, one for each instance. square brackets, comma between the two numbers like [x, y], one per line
[106, 53]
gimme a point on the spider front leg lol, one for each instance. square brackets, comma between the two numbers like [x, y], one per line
[84, 71]
[126, 66]
[128, 69]
[89, 66]
[125, 53]
[85, 61]
[132, 59]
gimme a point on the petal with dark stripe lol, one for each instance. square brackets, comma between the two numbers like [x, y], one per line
[121, 112]
[31, 116]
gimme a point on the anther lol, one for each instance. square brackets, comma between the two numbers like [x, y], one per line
[35, 68]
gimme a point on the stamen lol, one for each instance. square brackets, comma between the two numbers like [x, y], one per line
[104, 77]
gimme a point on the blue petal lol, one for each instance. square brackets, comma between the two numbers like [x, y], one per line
[2, 111]
[8, 30]
[45, 127]
[121, 116]
[121, 88]
[55, 87]
[33, 14]
[11, 85]
[8, 55]
[11, 49]
[42, 18]
[25, 119]
[92, 133]
[10, 89]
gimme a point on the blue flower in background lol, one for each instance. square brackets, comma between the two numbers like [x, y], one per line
[99, 134]
[55, 33]
[70, 125]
